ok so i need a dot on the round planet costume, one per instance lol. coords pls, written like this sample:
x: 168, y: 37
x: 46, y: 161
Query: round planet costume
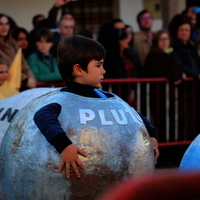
x: 10, y: 106
x: 108, y: 129
x: 191, y: 159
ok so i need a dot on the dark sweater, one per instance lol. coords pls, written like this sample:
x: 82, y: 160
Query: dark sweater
x: 46, y: 118
x: 160, y: 64
x: 188, y: 57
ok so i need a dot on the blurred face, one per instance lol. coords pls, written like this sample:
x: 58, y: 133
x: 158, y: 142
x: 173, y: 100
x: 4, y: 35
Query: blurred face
x: 190, y: 12
x: 183, y: 33
x: 119, y: 25
x: 4, y: 26
x: 146, y: 21
x: 69, y: 17
x: 129, y: 33
x: 164, y: 41
x: 22, y: 40
x: 37, y: 21
x: 66, y: 27
x: 44, y: 46
x: 193, y: 20
x: 3, y: 73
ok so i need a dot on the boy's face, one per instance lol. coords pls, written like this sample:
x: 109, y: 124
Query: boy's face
x: 94, y: 75
x: 3, y: 73
x: 44, y: 46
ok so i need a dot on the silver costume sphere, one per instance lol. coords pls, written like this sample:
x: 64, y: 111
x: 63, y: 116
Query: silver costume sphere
x: 108, y: 129
x: 10, y: 106
x: 191, y: 159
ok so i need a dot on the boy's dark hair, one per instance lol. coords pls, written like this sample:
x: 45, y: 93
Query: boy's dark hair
x: 45, y: 33
x: 142, y: 13
x: 80, y: 50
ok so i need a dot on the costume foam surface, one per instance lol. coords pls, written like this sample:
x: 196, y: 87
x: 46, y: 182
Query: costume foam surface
x: 191, y: 159
x: 108, y: 129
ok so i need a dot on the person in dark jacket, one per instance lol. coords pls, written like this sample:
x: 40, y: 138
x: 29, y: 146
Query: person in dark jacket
x: 121, y: 59
x: 162, y: 62
x: 189, y: 59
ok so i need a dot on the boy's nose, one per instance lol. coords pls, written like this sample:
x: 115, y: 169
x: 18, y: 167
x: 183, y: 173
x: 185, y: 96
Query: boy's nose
x: 104, y: 71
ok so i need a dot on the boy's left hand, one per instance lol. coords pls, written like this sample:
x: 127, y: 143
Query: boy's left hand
x: 70, y: 159
x: 154, y: 144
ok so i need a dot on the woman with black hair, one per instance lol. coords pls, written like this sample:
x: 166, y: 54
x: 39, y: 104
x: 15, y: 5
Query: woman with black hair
x: 189, y: 59
x: 21, y: 36
x: 8, y: 51
x: 121, y: 59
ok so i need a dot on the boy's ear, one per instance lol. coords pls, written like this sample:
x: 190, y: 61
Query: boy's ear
x: 77, y: 71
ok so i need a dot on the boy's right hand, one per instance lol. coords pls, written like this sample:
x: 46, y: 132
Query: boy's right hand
x: 69, y: 157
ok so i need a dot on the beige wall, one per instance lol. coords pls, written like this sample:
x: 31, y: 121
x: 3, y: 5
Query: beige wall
x: 129, y: 10
x: 22, y: 11
x: 172, y: 8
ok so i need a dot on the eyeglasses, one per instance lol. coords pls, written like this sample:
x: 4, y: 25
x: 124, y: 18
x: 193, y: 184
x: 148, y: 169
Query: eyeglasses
x: 164, y: 39
x: 146, y: 18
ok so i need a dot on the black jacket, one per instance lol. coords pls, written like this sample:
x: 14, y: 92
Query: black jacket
x: 188, y: 57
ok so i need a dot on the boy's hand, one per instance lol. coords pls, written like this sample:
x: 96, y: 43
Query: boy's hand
x: 154, y: 144
x: 70, y: 158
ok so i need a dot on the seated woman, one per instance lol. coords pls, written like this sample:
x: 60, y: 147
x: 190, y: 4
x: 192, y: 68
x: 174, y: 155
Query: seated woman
x: 42, y: 62
x: 161, y: 60
x: 184, y: 48
x: 21, y: 36
x: 9, y: 49
x: 188, y: 56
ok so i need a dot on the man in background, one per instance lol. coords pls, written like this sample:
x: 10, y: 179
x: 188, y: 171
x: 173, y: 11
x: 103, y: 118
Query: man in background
x: 143, y: 38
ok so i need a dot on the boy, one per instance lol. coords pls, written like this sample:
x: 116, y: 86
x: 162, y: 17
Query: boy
x: 42, y: 63
x: 80, y: 62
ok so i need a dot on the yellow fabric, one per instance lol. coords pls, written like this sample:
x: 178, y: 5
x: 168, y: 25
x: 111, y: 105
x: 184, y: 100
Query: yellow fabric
x: 12, y: 85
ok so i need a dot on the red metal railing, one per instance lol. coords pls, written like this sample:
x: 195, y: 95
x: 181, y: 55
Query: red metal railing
x: 172, y: 109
